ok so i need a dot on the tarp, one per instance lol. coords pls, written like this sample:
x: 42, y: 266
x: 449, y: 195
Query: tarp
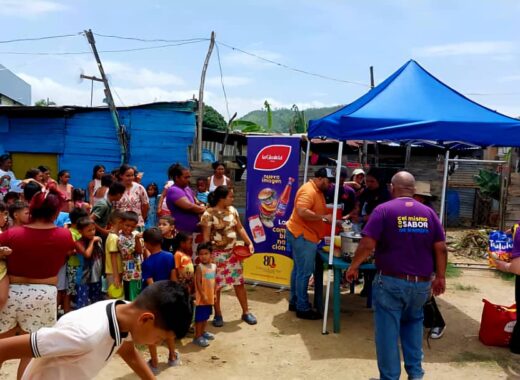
x: 412, y: 104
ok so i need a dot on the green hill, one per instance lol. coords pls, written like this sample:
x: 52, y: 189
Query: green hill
x: 282, y: 117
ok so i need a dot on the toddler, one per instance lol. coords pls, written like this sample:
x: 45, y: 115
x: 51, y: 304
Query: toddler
x: 156, y: 267
x: 153, y: 191
x: 167, y: 227
x: 89, y: 280
x: 204, y: 294
x: 78, y: 199
x: 129, y: 246
x: 202, y: 190
x: 112, y: 256
x: 184, y: 270
x: 75, y: 261
x: 19, y: 213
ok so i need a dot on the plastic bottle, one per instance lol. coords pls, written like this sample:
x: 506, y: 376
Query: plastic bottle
x: 284, y: 199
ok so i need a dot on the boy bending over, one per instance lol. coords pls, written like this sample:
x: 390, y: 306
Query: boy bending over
x: 83, y: 341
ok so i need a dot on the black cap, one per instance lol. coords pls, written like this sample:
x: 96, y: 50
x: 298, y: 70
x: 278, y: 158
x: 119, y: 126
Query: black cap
x: 326, y: 173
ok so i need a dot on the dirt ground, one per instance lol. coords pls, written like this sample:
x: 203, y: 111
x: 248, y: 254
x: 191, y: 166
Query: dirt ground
x: 282, y: 346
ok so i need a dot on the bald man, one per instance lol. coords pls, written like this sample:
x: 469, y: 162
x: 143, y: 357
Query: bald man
x: 409, y: 243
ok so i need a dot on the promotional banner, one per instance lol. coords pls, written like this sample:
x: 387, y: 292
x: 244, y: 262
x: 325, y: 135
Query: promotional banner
x: 272, y: 182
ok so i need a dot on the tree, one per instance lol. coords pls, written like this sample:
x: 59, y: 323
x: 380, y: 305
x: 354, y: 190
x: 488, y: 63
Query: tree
x: 297, y: 123
x: 247, y: 126
x: 44, y: 103
x: 269, y: 116
x: 213, y: 119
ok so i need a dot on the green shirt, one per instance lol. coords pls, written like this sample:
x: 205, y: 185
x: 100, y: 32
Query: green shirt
x: 102, y: 210
x: 74, y: 260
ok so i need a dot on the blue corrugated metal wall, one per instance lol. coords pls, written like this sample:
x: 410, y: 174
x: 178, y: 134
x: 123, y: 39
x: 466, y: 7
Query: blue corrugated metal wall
x: 90, y: 140
x: 159, y: 136
x: 158, y: 139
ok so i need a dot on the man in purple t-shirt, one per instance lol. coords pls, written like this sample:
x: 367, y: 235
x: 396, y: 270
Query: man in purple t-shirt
x: 408, y: 239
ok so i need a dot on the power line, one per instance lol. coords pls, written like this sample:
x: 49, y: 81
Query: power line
x: 293, y: 68
x: 222, y: 82
x: 40, y: 38
x: 150, y: 40
x: 101, y: 51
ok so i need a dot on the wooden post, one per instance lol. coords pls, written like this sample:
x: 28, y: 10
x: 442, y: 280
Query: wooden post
x: 365, y: 144
x: 201, y: 98
x: 408, y: 155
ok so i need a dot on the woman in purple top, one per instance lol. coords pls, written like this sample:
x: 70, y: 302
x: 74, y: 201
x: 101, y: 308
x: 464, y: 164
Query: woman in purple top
x: 181, y: 201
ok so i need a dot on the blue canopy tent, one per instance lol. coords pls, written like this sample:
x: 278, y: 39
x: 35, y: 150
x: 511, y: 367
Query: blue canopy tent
x: 412, y: 104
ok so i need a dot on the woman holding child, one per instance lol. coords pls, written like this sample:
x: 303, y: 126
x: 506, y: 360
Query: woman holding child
x: 39, y: 250
x: 181, y: 201
x: 221, y: 227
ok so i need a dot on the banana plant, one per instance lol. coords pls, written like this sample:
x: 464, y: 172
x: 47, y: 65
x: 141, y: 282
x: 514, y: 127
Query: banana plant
x: 269, y: 116
x: 489, y: 183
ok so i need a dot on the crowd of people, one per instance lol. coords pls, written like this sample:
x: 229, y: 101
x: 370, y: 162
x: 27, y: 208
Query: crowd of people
x: 148, y: 263
x: 61, y: 251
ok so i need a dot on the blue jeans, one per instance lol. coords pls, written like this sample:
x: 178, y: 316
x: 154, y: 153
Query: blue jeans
x: 398, y: 313
x: 304, y: 257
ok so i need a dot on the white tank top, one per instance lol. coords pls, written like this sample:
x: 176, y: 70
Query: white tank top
x: 212, y: 185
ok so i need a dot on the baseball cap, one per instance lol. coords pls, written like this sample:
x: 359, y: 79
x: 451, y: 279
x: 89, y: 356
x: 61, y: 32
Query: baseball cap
x: 326, y: 173
x: 358, y: 171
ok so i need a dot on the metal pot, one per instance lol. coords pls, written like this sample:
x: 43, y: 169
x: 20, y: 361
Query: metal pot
x: 349, y: 242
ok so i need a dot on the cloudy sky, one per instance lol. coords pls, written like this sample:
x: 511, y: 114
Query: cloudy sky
x: 472, y: 46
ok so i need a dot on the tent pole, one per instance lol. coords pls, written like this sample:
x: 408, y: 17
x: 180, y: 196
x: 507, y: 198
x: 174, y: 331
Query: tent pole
x: 332, y: 235
x: 444, y: 187
x: 307, y: 152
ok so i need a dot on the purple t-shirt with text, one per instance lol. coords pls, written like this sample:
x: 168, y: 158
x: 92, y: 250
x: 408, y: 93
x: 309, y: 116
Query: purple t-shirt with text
x: 185, y: 221
x: 516, y: 245
x: 405, y: 231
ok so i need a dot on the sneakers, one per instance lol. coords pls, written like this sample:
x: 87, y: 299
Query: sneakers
x: 249, y: 319
x: 201, y: 341
x: 154, y: 370
x: 218, y: 321
x: 208, y: 335
x: 175, y: 362
x: 310, y: 314
x: 437, y: 332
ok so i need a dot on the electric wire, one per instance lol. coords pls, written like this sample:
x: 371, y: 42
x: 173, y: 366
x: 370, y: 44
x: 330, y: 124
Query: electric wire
x: 151, y: 40
x: 39, y: 38
x: 292, y: 68
x: 100, y: 51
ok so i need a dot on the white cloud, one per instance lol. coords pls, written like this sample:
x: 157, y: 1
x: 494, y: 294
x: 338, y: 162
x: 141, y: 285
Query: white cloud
x: 241, y: 59
x: 140, y: 77
x: 229, y: 81
x: 28, y: 8
x: 62, y: 94
x: 467, y: 48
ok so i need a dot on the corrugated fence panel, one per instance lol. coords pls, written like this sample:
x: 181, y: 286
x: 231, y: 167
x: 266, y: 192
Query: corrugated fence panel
x: 467, y: 203
x: 90, y: 140
x: 34, y: 135
x: 159, y: 138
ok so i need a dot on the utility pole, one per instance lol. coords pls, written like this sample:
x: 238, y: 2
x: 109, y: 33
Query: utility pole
x: 120, y: 128
x: 92, y: 79
x: 201, y: 98
x: 365, y: 145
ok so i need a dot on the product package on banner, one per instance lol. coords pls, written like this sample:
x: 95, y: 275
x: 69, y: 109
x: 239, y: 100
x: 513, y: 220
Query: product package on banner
x: 272, y: 182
